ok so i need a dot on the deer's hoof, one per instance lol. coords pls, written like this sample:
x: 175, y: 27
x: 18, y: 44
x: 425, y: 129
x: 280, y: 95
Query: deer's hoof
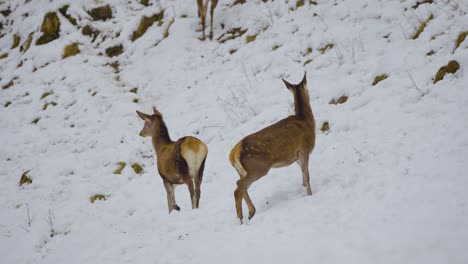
x: 176, y: 207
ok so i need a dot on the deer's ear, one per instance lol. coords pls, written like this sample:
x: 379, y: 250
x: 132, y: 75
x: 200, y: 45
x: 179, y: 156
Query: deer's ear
x: 156, y: 112
x: 304, y: 79
x: 143, y: 116
x: 288, y: 85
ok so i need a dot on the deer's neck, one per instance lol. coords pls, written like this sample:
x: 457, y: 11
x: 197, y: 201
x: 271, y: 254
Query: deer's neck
x: 161, y: 137
x: 302, y: 106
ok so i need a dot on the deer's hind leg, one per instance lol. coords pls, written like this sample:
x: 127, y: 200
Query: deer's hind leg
x: 212, y: 8
x: 242, y: 192
x: 198, y: 181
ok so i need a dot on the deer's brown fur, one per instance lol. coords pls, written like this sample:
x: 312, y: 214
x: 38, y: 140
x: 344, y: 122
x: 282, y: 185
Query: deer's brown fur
x: 179, y: 162
x: 289, y: 140
x: 202, y: 9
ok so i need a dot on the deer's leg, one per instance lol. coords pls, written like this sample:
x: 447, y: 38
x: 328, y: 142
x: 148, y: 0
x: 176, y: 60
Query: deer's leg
x: 213, y: 6
x: 242, y: 185
x: 171, y: 203
x: 304, y: 163
x: 189, y: 183
x: 238, y: 198
x: 198, y: 181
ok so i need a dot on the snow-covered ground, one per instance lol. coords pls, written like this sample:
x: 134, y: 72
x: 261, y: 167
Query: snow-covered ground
x: 389, y: 178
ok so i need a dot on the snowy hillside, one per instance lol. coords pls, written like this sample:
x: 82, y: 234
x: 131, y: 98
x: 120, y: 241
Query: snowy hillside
x: 389, y: 172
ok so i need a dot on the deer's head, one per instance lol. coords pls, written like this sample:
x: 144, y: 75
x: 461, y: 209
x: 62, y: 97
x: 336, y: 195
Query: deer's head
x: 152, y: 123
x: 300, y: 88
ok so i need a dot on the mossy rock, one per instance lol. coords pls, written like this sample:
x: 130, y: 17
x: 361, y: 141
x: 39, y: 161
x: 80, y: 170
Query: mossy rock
x: 325, y: 127
x: 28, y: 42
x: 430, y: 53
x: 308, y: 51
x: 421, y: 27
x: 7, y: 104
x: 90, y: 32
x: 4, y: 55
x: 101, y: 13
x: 135, y: 100
x: 307, y: 62
x: 70, y: 50
x: 461, y: 37
x: 145, y: 23
x: 25, y: 179
x: 238, y: 2
x: 121, y: 165
x: 379, y: 78
x: 144, y: 2
x: 275, y: 47
x: 300, y: 3
x: 340, y: 100
x: 45, y: 94
x: 50, y: 28
x: 166, y: 32
x: 8, y: 85
x: 96, y: 197
x: 326, y: 47
x: 137, y: 168
x: 47, y: 105
x: 452, y: 67
x: 250, y: 38
x: 114, y: 51
x: 16, y: 41
x: 5, y: 12
x: 35, y: 120
x: 312, y: 2
x: 63, y: 10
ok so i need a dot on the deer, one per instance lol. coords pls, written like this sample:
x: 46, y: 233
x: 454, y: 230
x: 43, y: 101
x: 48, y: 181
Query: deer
x: 179, y: 162
x: 289, y: 140
x: 202, y: 9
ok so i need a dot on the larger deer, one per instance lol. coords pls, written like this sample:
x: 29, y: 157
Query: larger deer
x: 179, y: 162
x: 202, y: 9
x: 289, y: 140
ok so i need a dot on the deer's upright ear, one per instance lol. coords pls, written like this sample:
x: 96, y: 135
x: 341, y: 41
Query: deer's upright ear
x: 288, y: 85
x: 156, y: 112
x: 304, y: 79
x: 143, y: 116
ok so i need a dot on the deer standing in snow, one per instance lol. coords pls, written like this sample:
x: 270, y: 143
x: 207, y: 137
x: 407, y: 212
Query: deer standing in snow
x: 288, y: 140
x: 202, y: 9
x: 179, y: 162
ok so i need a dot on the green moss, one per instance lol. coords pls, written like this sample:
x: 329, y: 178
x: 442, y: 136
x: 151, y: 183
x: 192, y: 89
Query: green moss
x: 300, y: 3
x: 144, y: 2
x: 183, y: 16
x: 238, y: 2
x: 325, y: 48
x: 460, y: 39
x: 16, y: 41
x: 451, y: 67
x: 45, y: 94
x: 250, y: 38
x: 96, y: 197
x: 28, y: 42
x: 340, y: 100
x: 430, y: 53
x: 312, y: 2
x: 137, y: 168
x: 308, y: 51
x: 47, y: 105
x: 63, y: 11
x: 7, y: 104
x: 121, y: 165
x: 50, y: 28
x: 101, y: 13
x: 325, y: 127
x: 145, y: 23
x: 379, y: 78
x: 114, y: 51
x: 70, y: 50
x: 90, y: 32
x: 25, y: 179
x: 307, y: 62
x: 421, y: 27
x: 4, y: 55
x: 135, y: 100
x: 8, y: 85
x: 275, y: 47
x: 166, y: 32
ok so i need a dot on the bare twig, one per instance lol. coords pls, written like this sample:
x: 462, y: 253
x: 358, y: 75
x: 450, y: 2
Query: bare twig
x: 414, y: 84
x: 28, y: 220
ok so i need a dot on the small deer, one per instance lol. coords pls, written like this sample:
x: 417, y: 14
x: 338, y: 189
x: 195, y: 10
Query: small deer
x: 202, y: 9
x: 288, y: 140
x: 179, y: 162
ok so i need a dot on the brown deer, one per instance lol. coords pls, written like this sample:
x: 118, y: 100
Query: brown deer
x: 288, y: 140
x: 179, y: 162
x: 202, y: 9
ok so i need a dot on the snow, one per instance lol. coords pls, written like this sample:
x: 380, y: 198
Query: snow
x: 388, y: 180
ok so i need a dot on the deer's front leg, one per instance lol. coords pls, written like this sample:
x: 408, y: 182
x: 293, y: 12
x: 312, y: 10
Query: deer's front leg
x: 171, y: 203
